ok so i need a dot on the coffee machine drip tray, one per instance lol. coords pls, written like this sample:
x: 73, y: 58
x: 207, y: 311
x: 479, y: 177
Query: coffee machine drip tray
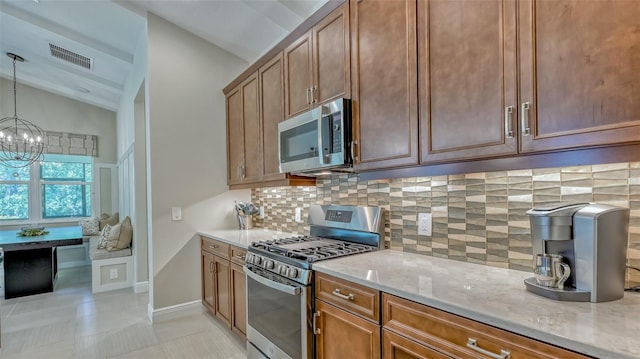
x: 565, y: 295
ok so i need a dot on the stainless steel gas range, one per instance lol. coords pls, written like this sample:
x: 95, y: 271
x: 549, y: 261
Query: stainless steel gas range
x: 280, y: 277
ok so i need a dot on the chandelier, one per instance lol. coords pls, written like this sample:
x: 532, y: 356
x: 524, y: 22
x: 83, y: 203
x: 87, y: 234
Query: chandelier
x: 21, y: 142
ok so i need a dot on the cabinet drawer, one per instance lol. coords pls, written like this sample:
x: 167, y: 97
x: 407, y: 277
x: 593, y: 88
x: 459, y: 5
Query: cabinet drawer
x: 349, y: 296
x: 451, y: 334
x: 395, y: 346
x: 238, y: 255
x: 215, y: 247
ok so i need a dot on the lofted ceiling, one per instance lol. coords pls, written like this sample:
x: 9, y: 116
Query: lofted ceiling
x: 105, y: 34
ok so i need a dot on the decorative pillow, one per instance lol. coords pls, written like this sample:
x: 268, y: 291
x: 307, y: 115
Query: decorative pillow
x: 125, y: 235
x: 104, y: 237
x: 113, y: 236
x: 90, y: 227
x: 110, y: 220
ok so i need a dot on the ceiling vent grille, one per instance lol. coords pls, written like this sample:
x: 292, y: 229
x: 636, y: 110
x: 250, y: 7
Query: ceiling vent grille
x: 70, y: 56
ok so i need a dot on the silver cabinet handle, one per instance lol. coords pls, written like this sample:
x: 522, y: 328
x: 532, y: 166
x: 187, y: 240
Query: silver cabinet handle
x: 240, y: 256
x: 210, y: 267
x: 239, y: 171
x: 315, y: 329
x: 242, y: 171
x: 354, y: 143
x: 507, y: 121
x: 213, y: 246
x: 314, y: 94
x: 337, y: 293
x: 473, y: 345
x: 308, y: 95
x: 526, y: 131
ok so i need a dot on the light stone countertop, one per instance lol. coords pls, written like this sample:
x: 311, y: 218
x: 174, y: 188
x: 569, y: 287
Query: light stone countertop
x: 498, y: 297
x: 243, y: 238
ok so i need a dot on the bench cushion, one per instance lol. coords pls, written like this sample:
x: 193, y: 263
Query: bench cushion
x: 96, y: 254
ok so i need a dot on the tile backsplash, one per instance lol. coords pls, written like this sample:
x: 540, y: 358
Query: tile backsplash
x: 477, y: 217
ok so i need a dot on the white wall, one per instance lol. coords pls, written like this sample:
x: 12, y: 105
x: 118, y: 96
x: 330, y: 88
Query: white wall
x: 186, y: 155
x: 57, y: 113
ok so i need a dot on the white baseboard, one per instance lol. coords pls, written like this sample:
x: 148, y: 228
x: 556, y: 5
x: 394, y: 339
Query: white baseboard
x: 141, y: 287
x: 181, y: 309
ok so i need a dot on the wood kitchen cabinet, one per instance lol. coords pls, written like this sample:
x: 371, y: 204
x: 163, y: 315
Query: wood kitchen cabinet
x: 414, y: 330
x: 244, y: 135
x: 224, y: 283
x: 254, y: 109
x: 347, y: 319
x: 579, y: 73
x: 384, y: 83
x: 317, y: 65
x: 467, y: 79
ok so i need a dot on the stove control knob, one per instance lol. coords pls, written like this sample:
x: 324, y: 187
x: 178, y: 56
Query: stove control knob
x: 257, y: 260
x: 268, y: 264
x: 249, y: 258
x: 282, y: 269
x: 292, y: 273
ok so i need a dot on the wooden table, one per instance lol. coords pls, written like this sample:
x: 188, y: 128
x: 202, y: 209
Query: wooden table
x: 30, y: 263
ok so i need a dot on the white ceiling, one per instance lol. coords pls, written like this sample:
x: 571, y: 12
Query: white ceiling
x: 108, y: 32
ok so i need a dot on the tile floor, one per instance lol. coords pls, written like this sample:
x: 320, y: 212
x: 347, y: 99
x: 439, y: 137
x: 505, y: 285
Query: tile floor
x: 72, y: 322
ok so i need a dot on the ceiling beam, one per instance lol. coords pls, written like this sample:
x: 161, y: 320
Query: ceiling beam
x: 69, y: 34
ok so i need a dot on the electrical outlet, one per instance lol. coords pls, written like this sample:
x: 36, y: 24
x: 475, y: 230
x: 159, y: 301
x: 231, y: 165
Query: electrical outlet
x: 113, y: 273
x: 424, y: 224
x: 298, y: 214
x: 262, y: 212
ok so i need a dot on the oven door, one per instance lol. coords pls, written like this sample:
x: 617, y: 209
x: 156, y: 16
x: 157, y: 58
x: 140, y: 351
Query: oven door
x: 277, y: 311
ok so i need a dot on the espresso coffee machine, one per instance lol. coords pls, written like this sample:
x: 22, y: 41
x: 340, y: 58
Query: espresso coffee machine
x: 580, y: 251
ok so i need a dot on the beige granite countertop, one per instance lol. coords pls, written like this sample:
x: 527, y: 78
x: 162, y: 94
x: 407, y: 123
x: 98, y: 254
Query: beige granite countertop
x: 498, y: 297
x: 243, y: 238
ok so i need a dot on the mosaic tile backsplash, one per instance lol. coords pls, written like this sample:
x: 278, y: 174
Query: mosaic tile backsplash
x: 477, y: 217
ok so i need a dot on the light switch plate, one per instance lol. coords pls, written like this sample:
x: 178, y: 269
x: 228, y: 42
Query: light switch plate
x: 262, y: 212
x: 425, y: 224
x: 176, y: 213
x: 298, y: 214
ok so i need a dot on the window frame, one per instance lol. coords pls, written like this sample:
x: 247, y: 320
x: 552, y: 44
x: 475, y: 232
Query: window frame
x: 36, y: 191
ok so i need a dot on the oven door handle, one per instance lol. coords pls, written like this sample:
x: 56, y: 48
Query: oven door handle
x: 271, y: 284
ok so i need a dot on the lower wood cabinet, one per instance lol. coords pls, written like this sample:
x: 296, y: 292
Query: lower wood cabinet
x: 346, y: 320
x: 395, y: 346
x: 239, y: 300
x: 425, y: 328
x: 224, y: 283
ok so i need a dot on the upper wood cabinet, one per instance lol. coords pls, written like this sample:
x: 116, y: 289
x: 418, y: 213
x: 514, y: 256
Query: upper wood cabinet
x: 384, y: 83
x: 579, y: 73
x: 467, y: 69
x: 317, y: 65
x: 270, y: 79
x: 244, y: 135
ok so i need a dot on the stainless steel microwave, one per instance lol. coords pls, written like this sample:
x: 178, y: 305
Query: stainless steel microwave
x: 318, y: 140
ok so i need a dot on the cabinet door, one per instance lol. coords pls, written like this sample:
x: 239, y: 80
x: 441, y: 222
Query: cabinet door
x: 344, y: 335
x: 208, y: 298
x: 222, y: 289
x: 271, y: 78
x: 252, y: 171
x: 235, y: 136
x: 331, y: 57
x: 580, y: 70
x: 395, y: 346
x: 298, y: 76
x: 239, y: 295
x: 384, y: 83
x: 467, y: 69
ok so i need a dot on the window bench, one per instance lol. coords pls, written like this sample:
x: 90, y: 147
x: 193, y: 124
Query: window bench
x: 109, y: 270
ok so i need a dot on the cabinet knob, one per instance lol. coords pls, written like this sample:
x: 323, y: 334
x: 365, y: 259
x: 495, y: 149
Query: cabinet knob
x: 507, y: 121
x: 526, y: 131
x: 349, y: 296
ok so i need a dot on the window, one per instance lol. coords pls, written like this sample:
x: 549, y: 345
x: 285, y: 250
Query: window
x: 55, y: 188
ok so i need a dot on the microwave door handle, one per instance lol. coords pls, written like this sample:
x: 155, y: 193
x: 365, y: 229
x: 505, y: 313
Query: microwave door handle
x: 324, y: 138
x: 271, y: 284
